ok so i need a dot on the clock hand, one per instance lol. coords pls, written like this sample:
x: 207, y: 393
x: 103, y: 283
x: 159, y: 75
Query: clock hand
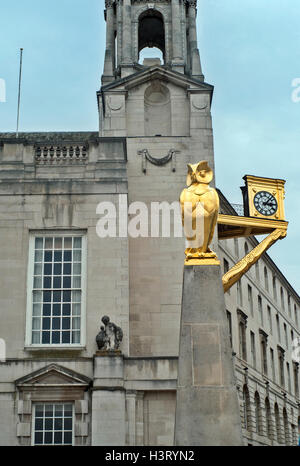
x: 268, y: 202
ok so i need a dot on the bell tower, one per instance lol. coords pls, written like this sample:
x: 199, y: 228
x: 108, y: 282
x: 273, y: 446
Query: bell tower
x: 132, y: 25
x: 161, y: 110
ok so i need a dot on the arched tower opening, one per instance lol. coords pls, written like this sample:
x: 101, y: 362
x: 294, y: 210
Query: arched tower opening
x: 151, y: 56
x: 151, y: 32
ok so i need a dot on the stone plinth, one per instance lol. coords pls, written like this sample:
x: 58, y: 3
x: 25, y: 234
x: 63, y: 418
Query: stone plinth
x: 108, y: 400
x: 207, y: 410
x: 108, y: 353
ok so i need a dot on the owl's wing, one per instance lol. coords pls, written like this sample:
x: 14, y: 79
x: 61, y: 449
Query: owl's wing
x: 213, y: 225
x: 183, y: 199
x: 214, y: 217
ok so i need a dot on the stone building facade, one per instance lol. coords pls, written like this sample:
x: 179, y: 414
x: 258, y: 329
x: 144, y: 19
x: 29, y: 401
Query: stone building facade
x: 263, y: 321
x: 58, y: 277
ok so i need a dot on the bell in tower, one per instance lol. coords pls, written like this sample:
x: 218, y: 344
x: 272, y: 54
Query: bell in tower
x: 132, y: 25
x: 156, y: 97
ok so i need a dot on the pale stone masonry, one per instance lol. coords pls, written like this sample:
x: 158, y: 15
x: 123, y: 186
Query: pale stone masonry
x: 153, y: 121
x: 262, y: 380
x: 207, y: 406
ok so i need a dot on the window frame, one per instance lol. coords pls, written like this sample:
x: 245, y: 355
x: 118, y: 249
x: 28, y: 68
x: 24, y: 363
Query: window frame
x: 250, y: 300
x: 269, y: 312
x: 281, y: 366
x: 30, y: 275
x: 272, y: 360
x: 260, y: 309
x: 253, y: 348
x: 229, y: 323
x: 33, y: 415
x: 264, y: 352
x: 242, y: 326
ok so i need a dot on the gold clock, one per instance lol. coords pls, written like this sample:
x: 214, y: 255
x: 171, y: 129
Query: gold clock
x: 263, y: 197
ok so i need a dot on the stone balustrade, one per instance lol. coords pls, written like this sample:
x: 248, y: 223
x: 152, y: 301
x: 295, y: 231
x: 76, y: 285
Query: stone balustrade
x: 61, y: 154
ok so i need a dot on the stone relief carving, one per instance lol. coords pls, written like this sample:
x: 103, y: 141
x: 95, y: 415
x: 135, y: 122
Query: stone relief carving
x: 110, y: 336
x: 114, y: 103
x: 199, y: 102
x: 171, y: 156
x: 157, y: 94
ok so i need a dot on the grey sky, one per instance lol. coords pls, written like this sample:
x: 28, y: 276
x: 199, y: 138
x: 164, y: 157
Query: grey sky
x: 250, y: 52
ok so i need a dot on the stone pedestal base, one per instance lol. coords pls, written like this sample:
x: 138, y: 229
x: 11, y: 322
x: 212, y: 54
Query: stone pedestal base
x: 108, y: 353
x: 108, y: 400
x: 207, y: 409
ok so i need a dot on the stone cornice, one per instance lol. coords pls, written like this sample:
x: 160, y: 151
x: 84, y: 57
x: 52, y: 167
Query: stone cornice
x: 159, y: 72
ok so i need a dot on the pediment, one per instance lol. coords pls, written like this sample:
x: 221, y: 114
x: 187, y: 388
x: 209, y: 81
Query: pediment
x: 53, y: 375
x: 160, y: 73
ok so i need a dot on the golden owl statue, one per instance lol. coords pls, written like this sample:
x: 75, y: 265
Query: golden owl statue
x: 199, y: 208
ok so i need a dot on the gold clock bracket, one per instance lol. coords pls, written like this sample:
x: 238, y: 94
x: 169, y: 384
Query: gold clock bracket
x: 230, y: 226
x: 234, y: 226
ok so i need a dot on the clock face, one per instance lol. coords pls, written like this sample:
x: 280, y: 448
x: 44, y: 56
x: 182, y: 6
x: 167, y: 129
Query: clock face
x: 265, y: 203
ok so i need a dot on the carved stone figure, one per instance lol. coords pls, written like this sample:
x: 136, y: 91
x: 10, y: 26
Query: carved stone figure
x: 199, y: 207
x: 110, y: 336
x: 102, y: 339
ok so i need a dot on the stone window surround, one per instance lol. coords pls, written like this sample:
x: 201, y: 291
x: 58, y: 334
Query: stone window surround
x: 250, y: 299
x: 281, y: 356
x: 229, y: 321
x: 266, y: 278
x: 270, y: 319
x: 288, y: 372
x: 278, y: 430
x: 253, y: 348
x: 258, y: 414
x: 273, y: 364
x: 296, y: 378
x: 263, y: 345
x: 274, y: 396
x: 269, y: 424
x: 247, y: 408
x: 32, y: 390
x: 242, y: 323
x: 28, y: 333
x: 239, y: 292
x: 278, y: 327
x: 260, y: 309
x: 54, y: 418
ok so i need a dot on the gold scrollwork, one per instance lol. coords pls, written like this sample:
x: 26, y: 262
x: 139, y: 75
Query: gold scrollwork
x: 238, y: 270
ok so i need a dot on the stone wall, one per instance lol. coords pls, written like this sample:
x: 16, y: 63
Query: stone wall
x: 60, y: 196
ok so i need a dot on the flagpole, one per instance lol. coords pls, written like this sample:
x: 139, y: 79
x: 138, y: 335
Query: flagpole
x: 19, y: 94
